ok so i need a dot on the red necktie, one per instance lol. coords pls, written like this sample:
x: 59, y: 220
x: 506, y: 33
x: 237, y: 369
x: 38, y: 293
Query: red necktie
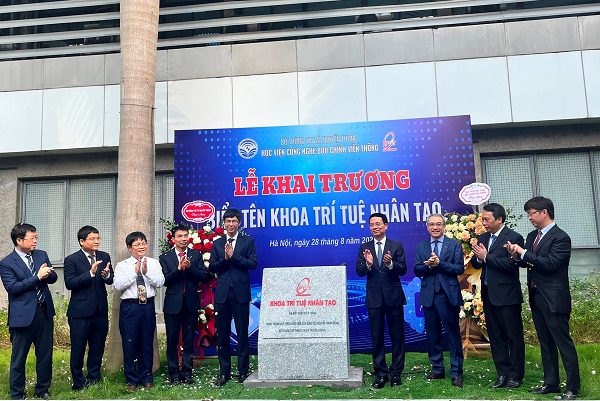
x: 537, y: 240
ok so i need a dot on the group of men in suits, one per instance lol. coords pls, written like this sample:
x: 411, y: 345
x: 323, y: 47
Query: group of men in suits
x: 499, y: 252
x: 26, y: 273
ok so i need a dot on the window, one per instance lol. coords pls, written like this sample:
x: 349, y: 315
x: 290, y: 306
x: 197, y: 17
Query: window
x: 59, y: 208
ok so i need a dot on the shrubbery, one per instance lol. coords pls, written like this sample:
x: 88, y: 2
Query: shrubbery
x: 585, y: 314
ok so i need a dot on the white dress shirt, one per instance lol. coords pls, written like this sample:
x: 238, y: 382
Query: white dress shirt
x: 125, y: 278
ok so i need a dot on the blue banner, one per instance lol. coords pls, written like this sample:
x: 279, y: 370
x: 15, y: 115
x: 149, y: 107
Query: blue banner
x: 306, y: 193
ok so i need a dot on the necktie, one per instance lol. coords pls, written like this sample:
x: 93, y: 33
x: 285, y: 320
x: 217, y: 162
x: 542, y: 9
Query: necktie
x: 436, y: 249
x: 230, y: 240
x: 492, y: 242
x: 379, y: 253
x: 38, y: 291
x: 537, y: 240
x: 92, y: 259
x: 485, y: 272
x: 142, y: 297
x: 181, y: 256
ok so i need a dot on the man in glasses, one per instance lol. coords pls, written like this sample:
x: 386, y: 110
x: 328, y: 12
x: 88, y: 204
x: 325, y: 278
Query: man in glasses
x: 546, y: 256
x: 26, y: 273
x: 87, y: 273
x: 138, y: 278
x: 231, y: 258
x: 438, y: 260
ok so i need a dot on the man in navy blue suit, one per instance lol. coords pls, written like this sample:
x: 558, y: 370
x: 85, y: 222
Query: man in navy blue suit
x: 231, y: 258
x: 546, y: 256
x: 26, y: 273
x: 183, y: 269
x: 382, y: 261
x: 87, y: 273
x: 438, y: 261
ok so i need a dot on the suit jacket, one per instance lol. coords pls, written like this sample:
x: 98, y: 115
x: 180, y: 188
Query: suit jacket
x: 175, y: 280
x: 383, y: 284
x: 548, y: 267
x: 451, y: 265
x: 233, y: 272
x: 502, y: 271
x: 88, y: 293
x: 21, y: 285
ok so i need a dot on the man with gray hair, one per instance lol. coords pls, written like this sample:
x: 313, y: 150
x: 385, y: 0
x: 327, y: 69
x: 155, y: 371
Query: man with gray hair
x: 438, y: 262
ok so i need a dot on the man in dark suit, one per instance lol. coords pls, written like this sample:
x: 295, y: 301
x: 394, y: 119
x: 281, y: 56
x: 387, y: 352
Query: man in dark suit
x: 26, y: 273
x: 183, y: 269
x: 87, y: 273
x: 382, y: 261
x: 438, y: 261
x: 501, y: 295
x: 546, y: 256
x: 231, y: 257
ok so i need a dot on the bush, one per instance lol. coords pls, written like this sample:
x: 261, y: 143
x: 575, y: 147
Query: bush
x: 585, y: 312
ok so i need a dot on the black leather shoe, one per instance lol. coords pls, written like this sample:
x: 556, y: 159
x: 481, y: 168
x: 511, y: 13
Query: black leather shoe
x: 44, y: 395
x: 501, y: 382
x: 174, y: 381
x: 187, y: 380
x: 18, y: 397
x: 242, y: 378
x: 76, y: 388
x: 457, y: 381
x: 434, y: 375
x: 380, y: 381
x: 545, y: 389
x: 221, y: 381
x: 567, y: 395
x: 513, y: 383
x: 396, y: 381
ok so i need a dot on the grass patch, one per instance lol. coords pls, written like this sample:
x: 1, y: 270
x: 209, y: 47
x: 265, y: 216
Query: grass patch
x: 479, y: 373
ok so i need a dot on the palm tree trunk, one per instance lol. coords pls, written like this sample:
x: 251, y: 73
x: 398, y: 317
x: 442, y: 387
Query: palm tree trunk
x: 135, y: 186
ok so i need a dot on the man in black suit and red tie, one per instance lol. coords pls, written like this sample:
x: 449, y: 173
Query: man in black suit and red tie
x: 26, y: 273
x: 501, y: 295
x: 546, y: 256
x: 87, y: 273
x: 382, y: 261
x: 183, y: 269
x: 231, y: 258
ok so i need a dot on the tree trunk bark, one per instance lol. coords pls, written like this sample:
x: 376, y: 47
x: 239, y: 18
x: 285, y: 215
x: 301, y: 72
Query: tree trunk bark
x: 135, y: 185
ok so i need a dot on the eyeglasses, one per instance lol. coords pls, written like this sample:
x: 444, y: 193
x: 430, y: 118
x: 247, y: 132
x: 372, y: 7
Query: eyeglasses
x: 139, y: 245
x: 438, y: 224
x: 34, y: 238
x: 93, y: 239
x: 232, y: 221
x: 529, y: 214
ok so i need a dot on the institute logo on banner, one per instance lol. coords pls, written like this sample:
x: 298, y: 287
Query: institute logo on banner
x: 198, y: 211
x: 389, y: 141
x: 303, y: 287
x: 247, y: 148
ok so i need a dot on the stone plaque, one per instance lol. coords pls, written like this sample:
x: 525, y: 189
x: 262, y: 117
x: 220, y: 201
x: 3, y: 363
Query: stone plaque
x: 304, y: 324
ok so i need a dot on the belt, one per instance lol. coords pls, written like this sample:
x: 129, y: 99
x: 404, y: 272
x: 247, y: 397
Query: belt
x: 137, y: 301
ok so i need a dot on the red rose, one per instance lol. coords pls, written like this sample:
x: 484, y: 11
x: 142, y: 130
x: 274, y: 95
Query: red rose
x: 169, y: 235
x: 197, y: 247
x: 212, y: 236
x: 219, y: 231
x: 207, y: 247
x: 172, y: 242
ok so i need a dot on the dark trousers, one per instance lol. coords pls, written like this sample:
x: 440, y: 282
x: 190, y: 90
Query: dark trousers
x: 137, y: 324
x: 553, y: 333
x: 443, y: 314
x: 240, y: 312
x: 505, y: 329
x: 40, y: 333
x: 395, y: 323
x: 87, y: 332
x: 182, y: 323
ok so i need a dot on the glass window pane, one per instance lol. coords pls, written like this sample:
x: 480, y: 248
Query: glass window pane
x: 45, y: 209
x: 92, y: 202
x: 509, y: 189
x: 163, y: 203
x: 566, y: 179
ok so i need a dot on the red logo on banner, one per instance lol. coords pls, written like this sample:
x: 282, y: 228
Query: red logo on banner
x: 389, y: 142
x: 303, y: 287
x: 198, y: 211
